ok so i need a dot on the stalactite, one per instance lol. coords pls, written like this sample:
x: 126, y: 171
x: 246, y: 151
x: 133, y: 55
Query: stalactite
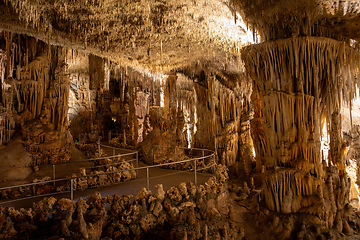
x: 2, y: 72
x: 8, y: 65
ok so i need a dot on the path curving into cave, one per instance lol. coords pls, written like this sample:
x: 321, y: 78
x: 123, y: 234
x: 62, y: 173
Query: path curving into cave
x: 158, y: 175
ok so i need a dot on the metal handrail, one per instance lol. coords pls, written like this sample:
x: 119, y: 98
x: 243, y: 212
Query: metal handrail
x: 120, y: 134
x: 200, y: 149
x: 95, y: 159
x: 119, y: 171
x: 136, y: 153
x: 112, y: 147
x: 112, y: 164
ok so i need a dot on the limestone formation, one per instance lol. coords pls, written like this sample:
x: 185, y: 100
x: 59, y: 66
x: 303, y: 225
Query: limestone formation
x: 171, y: 78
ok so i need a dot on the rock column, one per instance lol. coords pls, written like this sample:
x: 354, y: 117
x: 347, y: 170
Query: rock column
x: 299, y: 81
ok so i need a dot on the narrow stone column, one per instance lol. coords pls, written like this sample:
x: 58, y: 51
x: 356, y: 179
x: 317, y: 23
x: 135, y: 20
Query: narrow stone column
x: 336, y: 143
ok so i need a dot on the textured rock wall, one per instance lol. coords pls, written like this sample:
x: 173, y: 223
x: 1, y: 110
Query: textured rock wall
x: 223, y: 111
x: 35, y: 86
x: 204, y: 106
x: 7, y: 121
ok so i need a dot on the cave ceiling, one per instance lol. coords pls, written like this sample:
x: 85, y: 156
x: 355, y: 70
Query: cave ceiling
x: 158, y: 35
x: 275, y: 19
x: 162, y: 35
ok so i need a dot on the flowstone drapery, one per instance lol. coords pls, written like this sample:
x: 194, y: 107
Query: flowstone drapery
x: 34, y: 97
x: 298, y: 83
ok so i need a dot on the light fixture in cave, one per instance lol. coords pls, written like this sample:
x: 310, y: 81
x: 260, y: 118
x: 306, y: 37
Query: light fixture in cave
x: 352, y: 170
x: 162, y: 79
x: 353, y: 43
x: 188, y: 125
x: 195, y: 119
x: 325, y: 140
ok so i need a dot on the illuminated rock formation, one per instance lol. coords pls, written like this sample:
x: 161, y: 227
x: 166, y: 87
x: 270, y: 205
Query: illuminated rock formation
x: 299, y: 82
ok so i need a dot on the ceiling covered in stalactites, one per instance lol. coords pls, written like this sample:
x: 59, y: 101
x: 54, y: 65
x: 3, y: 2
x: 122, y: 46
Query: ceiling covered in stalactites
x: 161, y: 35
x: 274, y: 19
x: 152, y: 34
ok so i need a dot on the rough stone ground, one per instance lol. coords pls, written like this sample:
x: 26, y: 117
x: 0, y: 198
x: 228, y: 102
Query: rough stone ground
x: 14, y: 161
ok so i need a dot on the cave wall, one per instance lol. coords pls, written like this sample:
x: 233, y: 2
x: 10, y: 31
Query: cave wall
x: 224, y: 111
x: 34, y: 99
x: 205, y: 106
x: 221, y: 113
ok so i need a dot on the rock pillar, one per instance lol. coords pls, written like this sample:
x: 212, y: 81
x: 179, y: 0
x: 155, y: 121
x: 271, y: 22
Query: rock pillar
x: 298, y: 81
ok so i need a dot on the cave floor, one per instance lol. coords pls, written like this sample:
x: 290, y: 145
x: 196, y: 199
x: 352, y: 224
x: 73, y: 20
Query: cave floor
x: 166, y: 177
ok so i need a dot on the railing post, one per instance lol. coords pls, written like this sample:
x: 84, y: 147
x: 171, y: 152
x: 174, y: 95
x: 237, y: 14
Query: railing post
x: 99, y: 146
x: 148, y: 178
x: 176, y: 166
x: 195, y: 172
x: 175, y: 155
x: 152, y: 154
x: 114, y: 151
x: 214, y: 162
x: 137, y: 164
x: 124, y: 138
x: 54, y: 176
x: 203, y: 153
x: 72, y: 189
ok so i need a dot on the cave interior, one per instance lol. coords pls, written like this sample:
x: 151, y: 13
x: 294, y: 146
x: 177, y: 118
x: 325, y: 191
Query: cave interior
x: 270, y: 88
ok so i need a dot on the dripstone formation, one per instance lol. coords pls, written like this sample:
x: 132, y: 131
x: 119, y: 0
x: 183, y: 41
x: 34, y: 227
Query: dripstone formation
x: 261, y: 84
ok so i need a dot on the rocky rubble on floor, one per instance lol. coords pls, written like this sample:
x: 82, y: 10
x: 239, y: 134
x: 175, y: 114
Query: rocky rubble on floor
x: 91, y: 150
x: 46, y: 145
x: 125, y: 218
x: 216, y: 210
x: 105, y: 176
x: 120, y: 143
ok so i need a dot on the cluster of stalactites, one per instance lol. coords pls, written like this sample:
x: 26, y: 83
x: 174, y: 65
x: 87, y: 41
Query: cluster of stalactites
x: 32, y: 15
x: 300, y: 81
x: 292, y: 128
x: 38, y: 94
x: 320, y: 67
x: 31, y: 89
x: 7, y: 126
x: 281, y: 19
x: 137, y: 92
x: 226, y: 107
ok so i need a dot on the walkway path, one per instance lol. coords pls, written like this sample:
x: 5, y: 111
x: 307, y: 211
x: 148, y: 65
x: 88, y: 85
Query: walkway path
x: 167, y: 177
